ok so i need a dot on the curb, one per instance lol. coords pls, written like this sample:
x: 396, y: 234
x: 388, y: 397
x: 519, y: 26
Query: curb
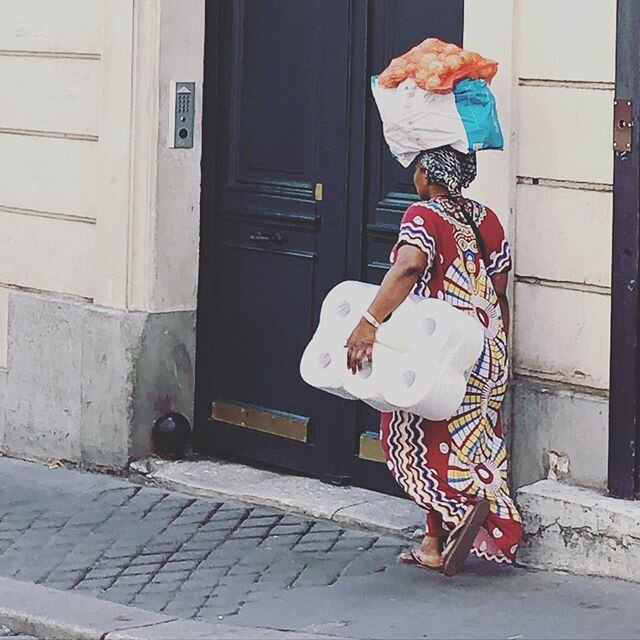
x: 39, y: 611
x: 346, y: 506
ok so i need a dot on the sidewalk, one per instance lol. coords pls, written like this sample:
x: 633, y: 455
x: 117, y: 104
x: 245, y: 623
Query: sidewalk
x: 5, y: 632
x: 346, y: 506
x: 48, y: 613
x: 258, y: 571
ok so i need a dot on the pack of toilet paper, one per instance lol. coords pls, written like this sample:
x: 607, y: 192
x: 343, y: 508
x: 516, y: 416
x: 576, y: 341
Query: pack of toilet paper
x: 422, y: 358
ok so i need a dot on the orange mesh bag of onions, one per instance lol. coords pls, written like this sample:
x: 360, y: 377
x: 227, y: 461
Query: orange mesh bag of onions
x: 436, y: 66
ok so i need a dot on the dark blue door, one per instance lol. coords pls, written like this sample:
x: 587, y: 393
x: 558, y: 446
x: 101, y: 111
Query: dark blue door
x: 299, y: 193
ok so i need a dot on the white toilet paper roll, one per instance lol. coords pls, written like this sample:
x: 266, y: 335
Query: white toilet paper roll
x: 396, y: 331
x: 446, y: 335
x: 369, y: 384
x: 469, y: 351
x: 324, y: 366
x: 344, y: 305
x: 425, y: 388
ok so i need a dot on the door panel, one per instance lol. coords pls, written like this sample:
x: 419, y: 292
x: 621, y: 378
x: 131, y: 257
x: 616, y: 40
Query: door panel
x: 258, y: 331
x: 282, y: 134
x: 271, y: 144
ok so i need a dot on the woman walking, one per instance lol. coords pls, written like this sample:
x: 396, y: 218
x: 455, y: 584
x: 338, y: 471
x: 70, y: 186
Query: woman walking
x: 454, y: 249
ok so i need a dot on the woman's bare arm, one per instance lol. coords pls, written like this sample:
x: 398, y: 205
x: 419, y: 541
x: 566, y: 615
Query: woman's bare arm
x: 500, y: 284
x: 396, y: 286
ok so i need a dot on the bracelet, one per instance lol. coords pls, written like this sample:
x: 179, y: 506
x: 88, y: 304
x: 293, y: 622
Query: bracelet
x: 371, y: 320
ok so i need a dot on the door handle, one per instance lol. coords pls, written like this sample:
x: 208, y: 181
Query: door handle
x: 259, y: 236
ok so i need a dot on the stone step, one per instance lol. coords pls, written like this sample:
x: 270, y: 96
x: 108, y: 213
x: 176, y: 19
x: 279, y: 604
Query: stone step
x: 580, y: 531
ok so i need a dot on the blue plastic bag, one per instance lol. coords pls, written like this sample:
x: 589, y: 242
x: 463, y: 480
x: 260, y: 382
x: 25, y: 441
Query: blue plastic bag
x: 476, y: 105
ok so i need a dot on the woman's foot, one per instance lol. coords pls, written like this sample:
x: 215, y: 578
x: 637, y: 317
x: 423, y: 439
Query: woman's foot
x: 426, y: 555
x: 460, y: 543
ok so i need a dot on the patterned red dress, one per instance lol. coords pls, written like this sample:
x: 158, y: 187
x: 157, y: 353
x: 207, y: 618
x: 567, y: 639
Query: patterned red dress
x: 446, y: 466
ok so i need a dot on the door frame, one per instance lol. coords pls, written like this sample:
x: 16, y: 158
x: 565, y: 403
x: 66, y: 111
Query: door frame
x: 211, y: 113
x: 624, y: 407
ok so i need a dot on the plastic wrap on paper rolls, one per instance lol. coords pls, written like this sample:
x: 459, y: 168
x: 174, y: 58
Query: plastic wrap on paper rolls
x: 443, y: 333
x: 417, y: 386
x: 324, y: 365
x: 369, y: 384
x: 421, y: 367
x: 345, y: 304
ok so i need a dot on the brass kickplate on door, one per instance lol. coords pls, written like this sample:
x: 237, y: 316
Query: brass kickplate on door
x: 370, y: 448
x: 284, y: 425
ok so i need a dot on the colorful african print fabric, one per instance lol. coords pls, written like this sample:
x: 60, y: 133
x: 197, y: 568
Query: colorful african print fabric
x: 446, y: 466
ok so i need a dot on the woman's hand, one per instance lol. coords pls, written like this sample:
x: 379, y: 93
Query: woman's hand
x: 360, y: 346
x: 409, y: 266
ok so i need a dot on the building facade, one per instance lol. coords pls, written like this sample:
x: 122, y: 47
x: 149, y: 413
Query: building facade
x: 114, y: 241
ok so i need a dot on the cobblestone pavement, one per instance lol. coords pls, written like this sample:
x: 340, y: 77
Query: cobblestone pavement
x: 257, y: 567
x: 166, y: 552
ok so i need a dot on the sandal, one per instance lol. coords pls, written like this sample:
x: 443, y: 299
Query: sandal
x: 459, y: 545
x: 411, y: 558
